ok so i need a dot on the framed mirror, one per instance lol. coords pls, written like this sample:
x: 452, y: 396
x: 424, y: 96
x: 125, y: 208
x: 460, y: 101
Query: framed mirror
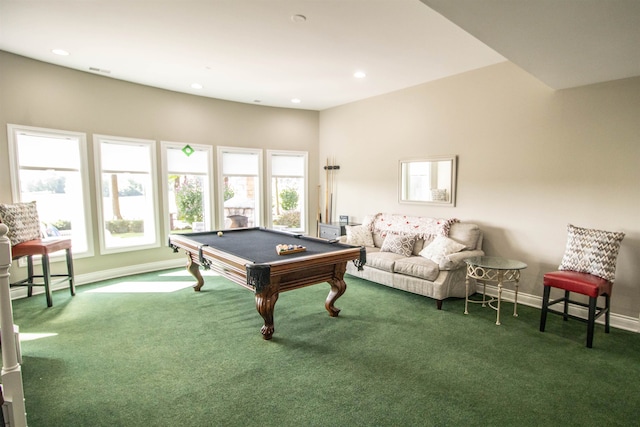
x: 430, y: 180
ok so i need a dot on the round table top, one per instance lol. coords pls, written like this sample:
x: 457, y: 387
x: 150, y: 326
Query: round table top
x: 496, y: 263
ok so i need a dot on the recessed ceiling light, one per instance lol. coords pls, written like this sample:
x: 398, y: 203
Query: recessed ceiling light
x: 359, y: 74
x: 296, y: 101
x: 60, y: 52
x: 196, y: 86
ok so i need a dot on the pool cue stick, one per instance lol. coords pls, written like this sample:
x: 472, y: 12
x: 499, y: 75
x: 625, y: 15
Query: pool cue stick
x: 333, y: 181
x: 331, y: 193
x: 326, y: 192
x: 333, y: 177
x: 319, y: 214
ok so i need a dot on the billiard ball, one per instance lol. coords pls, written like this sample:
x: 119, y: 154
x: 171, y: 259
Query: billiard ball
x: 219, y: 233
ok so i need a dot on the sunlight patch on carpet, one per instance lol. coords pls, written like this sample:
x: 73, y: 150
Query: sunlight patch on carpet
x: 185, y: 273
x: 143, y: 287
x: 30, y: 336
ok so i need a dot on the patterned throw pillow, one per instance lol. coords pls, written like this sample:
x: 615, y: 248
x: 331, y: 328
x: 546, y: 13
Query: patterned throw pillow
x: 440, y: 247
x: 401, y: 244
x: 359, y: 235
x: 592, y: 251
x: 22, y: 220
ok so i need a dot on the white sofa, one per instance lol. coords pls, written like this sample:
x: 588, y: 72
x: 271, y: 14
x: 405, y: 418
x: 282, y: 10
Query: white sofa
x: 421, y: 255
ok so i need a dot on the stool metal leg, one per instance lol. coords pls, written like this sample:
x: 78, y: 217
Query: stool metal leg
x: 72, y: 286
x: 545, y: 307
x: 46, y: 276
x: 607, y: 316
x: 29, y: 275
x: 591, y: 322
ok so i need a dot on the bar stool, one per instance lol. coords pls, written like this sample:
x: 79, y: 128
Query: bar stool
x: 44, y: 247
x: 26, y: 241
x: 587, y: 268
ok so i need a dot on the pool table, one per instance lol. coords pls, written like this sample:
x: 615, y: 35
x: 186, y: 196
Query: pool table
x: 248, y: 257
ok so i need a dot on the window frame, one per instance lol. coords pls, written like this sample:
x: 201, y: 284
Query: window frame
x: 13, y: 130
x: 153, y: 173
x: 304, y: 217
x: 165, y: 145
x: 259, y: 215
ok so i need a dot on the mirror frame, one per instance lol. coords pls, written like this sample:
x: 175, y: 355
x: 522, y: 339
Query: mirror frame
x: 450, y: 185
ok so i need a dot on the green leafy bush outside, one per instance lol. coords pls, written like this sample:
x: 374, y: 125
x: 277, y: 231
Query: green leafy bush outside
x: 62, y: 224
x: 289, y: 199
x: 122, y: 226
x: 229, y: 192
x: 189, y: 201
x: 289, y: 219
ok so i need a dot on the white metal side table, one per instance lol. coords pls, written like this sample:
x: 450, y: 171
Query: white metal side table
x: 497, y: 270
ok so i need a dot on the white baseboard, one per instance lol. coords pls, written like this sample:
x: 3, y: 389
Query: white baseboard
x: 617, y: 320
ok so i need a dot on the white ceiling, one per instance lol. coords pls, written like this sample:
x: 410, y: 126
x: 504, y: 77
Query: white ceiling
x: 564, y: 43
x: 254, y: 51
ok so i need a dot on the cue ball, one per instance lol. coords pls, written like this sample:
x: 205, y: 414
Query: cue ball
x: 219, y: 233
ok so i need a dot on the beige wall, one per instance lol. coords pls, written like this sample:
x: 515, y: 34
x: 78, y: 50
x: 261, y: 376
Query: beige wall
x: 530, y: 161
x: 33, y: 93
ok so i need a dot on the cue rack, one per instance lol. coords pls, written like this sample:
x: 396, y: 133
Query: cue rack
x: 328, y: 192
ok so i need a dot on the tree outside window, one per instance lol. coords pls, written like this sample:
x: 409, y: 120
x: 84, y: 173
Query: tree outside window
x: 128, y: 204
x: 187, y: 187
x: 288, y: 170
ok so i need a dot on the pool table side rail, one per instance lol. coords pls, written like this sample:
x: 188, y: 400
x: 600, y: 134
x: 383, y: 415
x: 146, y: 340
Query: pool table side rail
x: 300, y: 271
x: 227, y: 265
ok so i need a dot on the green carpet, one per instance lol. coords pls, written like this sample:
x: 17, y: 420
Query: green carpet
x: 390, y: 359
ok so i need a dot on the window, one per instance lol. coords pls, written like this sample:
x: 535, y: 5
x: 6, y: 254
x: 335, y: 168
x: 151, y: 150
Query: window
x: 188, y: 178
x: 239, y: 185
x: 50, y: 167
x: 288, y: 178
x: 126, y: 192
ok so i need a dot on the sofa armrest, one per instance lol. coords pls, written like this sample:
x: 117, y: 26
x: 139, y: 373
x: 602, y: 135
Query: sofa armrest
x: 455, y: 261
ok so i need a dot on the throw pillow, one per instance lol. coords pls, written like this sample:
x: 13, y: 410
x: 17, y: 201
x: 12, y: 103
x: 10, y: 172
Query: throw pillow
x: 359, y: 235
x: 401, y: 244
x: 592, y: 251
x: 440, y: 247
x: 22, y: 220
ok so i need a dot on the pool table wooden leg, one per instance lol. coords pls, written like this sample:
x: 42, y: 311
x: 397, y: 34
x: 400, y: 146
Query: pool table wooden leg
x: 338, y: 287
x: 194, y: 269
x: 265, y: 303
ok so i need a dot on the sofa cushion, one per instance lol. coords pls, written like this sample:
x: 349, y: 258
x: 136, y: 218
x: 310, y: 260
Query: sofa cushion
x: 417, y: 266
x: 382, y: 260
x: 465, y: 233
x: 420, y: 245
x: 378, y: 239
x: 22, y: 220
x: 359, y: 235
x: 441, y: 246
x: 401, y: 244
